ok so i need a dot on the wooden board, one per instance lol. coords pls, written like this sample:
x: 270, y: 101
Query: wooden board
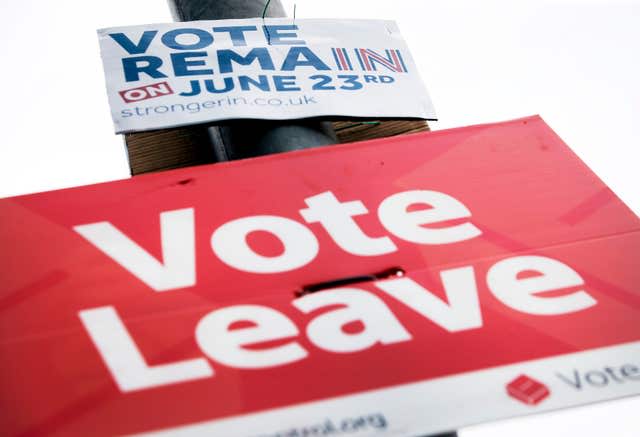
x: 184, y: 147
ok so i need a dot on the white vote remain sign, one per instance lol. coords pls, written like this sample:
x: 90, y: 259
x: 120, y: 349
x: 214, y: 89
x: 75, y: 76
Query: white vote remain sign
x: 168, y: 75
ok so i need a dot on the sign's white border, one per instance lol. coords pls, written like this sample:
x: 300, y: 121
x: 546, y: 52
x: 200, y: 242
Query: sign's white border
x: 447, y: 403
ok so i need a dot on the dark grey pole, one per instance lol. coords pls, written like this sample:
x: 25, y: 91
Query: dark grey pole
x: 245, y: 139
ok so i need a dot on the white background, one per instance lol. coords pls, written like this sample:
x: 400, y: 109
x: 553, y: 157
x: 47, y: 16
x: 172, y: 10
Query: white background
x: 576, y: 63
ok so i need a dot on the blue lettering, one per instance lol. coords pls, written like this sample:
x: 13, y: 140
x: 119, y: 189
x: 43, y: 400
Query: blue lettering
x: 149, y: 65
x: 262, y: 83
x: 181, y: 64
x: 276, y: 36
x: 131, y: 48
x: 226, y: 57
x: 293, y: 60
x: 285, y: 83
x: 211, y: 87
x: 169, y: 39
x: 195, y: 89
x: 236, y: 33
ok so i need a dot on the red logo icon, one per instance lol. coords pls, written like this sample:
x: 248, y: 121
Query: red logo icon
x: 527, y: 390
x: 146, y: 92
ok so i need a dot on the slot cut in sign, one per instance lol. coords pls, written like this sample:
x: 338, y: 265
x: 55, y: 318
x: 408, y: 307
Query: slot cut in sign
x: 169, y: 75
x: 187, y: 307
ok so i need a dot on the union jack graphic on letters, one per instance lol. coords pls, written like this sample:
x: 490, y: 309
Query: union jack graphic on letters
x: 369, y: 59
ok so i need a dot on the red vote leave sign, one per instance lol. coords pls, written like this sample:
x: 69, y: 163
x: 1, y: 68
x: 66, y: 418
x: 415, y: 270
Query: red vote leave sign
x: 400, y: 286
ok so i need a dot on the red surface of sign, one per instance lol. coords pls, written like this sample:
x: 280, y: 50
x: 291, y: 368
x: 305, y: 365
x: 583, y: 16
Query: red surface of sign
x: 512, y: 251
